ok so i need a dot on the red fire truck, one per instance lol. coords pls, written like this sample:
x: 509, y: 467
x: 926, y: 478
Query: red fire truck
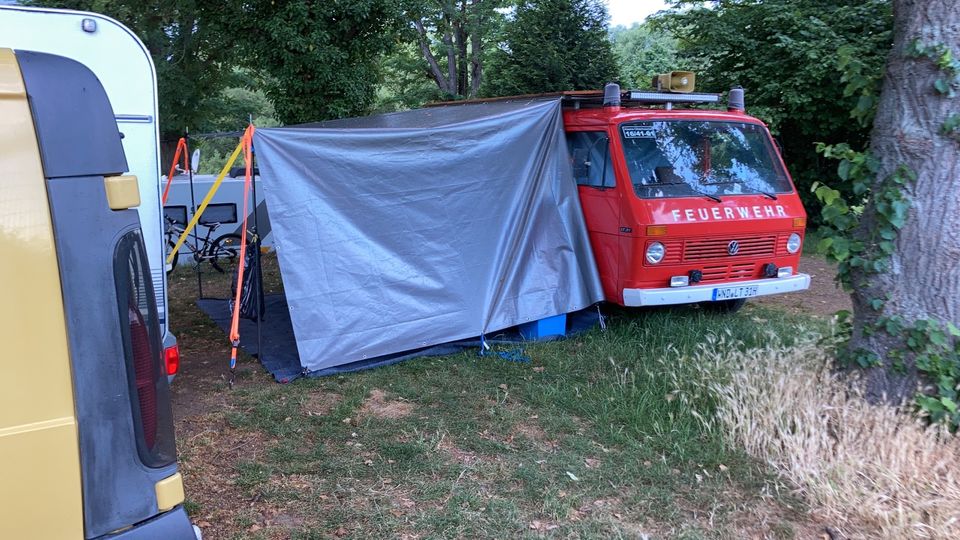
x: 683, y: 204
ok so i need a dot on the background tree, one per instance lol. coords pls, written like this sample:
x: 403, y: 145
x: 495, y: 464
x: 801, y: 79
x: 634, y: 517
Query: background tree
x: 553, y: 45
x: 906, y: 288
x: 189, y: 47
x: 785, y: 55
x: 406, y: 82
x: 238, y: 105
x: 643, y: 51
x: 316, y: 60
x: 452, y: 37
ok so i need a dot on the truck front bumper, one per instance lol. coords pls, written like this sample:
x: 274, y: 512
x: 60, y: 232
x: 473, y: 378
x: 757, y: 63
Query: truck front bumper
x: 704, y: 293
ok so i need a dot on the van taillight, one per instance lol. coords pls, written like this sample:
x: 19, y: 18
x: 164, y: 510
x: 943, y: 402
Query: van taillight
x: 146, y: 360
x: 172, y: 357
x: 144, y: 381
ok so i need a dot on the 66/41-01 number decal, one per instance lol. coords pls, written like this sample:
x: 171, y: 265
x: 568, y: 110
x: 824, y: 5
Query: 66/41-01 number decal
x: 731, y: 293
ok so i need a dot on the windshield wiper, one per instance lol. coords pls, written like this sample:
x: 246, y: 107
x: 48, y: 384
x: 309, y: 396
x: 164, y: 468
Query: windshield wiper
x: 767, y: 194
x: 707, y: 195
x: 691, y: 188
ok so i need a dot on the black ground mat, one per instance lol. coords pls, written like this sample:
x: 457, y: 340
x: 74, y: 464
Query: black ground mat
x: 280, y: 355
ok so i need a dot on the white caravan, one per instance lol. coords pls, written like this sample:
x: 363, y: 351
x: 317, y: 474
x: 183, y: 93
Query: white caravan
x: 223, y: 215
x: 122, y: 63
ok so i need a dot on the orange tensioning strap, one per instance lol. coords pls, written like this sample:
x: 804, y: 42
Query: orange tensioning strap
x: 181, y: 148
x: 247, y: 144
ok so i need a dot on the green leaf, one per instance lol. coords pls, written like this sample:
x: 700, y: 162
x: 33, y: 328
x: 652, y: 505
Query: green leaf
x: 824, y: 244
x: 929, y: 404
x: 937, y: 337
x: 899, y: 215
x: 949, y: 404
x: 859, y: 188
x: 827, y: 195
x: 951, y: 124
x: 843, y: 170
x: 841, y: 248
x: 942, y: 86
x: 946, y: 58
x: 892, y: 326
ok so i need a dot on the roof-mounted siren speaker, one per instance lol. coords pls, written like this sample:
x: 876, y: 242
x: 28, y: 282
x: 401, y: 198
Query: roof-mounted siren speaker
x: 611, y: 95
x: 681, y: 82
x: 735, y: 101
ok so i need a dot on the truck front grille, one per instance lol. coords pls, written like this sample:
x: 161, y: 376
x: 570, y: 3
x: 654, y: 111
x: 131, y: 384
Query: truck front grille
x: 718, y: 248
x: 726, y: 272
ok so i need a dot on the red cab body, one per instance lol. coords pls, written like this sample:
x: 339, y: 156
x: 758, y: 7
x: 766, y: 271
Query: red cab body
x: 708, y: 187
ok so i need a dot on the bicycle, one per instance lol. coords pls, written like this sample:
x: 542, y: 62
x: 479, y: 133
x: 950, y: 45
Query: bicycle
x: 224, y: 248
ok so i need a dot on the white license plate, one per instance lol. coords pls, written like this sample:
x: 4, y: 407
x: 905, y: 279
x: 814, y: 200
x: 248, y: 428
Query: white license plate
x: 730, y: 293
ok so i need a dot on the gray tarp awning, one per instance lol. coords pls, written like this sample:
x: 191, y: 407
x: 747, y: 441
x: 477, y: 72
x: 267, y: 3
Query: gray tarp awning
x: 412, y: 229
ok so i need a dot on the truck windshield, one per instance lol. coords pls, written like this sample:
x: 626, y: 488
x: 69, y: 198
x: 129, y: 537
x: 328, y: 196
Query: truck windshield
x: 691, y: 158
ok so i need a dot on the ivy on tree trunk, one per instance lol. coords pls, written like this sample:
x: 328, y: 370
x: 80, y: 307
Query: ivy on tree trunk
x: 911, y: 136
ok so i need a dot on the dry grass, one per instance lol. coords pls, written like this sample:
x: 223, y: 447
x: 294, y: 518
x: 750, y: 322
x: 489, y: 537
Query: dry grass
x: 875, y: 472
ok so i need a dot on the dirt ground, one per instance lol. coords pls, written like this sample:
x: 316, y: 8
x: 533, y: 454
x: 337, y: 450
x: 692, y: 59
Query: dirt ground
x: 210, y: 447
x: 823, y: 298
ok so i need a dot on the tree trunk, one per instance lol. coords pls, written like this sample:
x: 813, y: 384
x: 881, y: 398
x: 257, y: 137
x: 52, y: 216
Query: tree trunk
x: 462, y: 60
x: 435, y: 71
x: 923, y: 279
x: 476, y: 48
x: 451, y: 53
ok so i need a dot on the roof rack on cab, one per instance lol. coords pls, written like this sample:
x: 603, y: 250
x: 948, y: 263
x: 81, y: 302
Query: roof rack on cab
x: 675, y: 87
x: 635, y: 98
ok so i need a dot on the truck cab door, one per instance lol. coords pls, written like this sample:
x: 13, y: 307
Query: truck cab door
x: 596, y: 182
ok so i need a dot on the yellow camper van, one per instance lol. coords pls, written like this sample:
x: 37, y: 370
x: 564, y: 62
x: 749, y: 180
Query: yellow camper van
x: 86, y: 431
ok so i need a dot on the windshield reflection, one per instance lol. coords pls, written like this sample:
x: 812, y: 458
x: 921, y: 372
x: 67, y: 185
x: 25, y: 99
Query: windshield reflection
x: 689, y: 158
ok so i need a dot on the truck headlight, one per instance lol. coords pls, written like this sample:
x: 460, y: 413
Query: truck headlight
x: 793, y: 243
x: 655, y: 252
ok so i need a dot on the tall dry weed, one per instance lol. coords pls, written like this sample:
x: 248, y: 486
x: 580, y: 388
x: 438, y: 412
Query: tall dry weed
x: 868, y: 471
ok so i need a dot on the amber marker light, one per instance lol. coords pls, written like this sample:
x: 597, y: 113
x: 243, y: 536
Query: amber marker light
x: 656, y: 230
x: 799, y: 222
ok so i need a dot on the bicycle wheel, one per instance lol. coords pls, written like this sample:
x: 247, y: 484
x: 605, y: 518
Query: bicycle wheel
x: 176, y: 256
x: 225, y: 249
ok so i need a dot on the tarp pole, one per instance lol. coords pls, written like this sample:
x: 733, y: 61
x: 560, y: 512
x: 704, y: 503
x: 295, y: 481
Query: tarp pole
x: 261, y: 299
x: 193, y: 208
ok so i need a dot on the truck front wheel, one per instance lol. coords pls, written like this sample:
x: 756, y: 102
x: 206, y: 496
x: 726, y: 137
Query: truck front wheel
x: 725, y: 306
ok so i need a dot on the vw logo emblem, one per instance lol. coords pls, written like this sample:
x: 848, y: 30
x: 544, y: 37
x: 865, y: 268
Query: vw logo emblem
x: 733, y: 247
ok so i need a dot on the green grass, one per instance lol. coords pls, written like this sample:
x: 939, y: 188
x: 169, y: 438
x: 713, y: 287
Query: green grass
x: 584, y: 441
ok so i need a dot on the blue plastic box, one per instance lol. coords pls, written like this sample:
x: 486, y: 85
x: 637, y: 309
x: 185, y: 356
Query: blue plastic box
x: 545, y: 328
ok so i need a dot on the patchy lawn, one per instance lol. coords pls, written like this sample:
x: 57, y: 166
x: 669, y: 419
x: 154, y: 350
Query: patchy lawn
x: 587, y: 440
